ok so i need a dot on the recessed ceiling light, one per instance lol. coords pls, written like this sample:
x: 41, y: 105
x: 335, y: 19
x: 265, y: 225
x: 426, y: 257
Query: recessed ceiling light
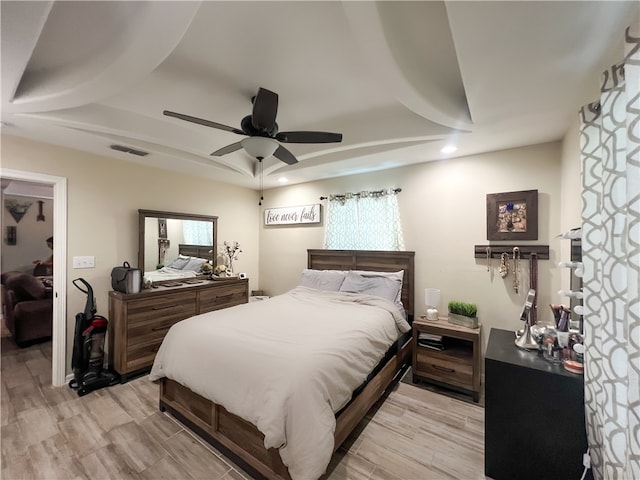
x: 283, y: 180
x: 449, y: 149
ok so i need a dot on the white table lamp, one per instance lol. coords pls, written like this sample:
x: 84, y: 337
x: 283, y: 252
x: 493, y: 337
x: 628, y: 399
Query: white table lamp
x: 432, y: 301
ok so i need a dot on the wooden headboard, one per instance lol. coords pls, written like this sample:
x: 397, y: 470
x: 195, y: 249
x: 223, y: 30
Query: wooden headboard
x: 200, y: 251
x: 379, y: 261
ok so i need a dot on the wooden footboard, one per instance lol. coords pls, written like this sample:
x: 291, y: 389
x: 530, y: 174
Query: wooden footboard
x: 243, y: 442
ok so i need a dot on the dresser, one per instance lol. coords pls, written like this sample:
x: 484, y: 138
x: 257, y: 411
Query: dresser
x: 534, y: 415
x: 138, y: 322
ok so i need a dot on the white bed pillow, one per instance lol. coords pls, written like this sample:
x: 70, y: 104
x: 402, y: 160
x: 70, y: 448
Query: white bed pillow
x: 329, y: 280
x: 382, y: 284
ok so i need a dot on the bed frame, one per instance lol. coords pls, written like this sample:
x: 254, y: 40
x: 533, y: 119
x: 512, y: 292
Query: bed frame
x: 241, y: 441
x: 200, y: 251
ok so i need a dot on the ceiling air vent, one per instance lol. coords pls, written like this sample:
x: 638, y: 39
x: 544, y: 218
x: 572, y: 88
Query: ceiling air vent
x: 132, y: 151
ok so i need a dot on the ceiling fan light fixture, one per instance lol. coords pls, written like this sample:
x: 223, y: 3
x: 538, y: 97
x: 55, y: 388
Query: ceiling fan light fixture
x: 259, y: 147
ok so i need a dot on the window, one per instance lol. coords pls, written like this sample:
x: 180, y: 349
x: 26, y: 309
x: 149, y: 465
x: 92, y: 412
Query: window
x: 197, y: 232
x: 364, y: 221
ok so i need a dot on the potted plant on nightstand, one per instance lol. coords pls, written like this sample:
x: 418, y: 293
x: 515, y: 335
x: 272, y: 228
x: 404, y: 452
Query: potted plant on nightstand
x: 463, y: 313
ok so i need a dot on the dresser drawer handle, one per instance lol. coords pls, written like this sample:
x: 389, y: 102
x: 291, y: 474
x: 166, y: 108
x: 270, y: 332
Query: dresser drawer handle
x: 223, y: 297
x: 442, y: 369
x: 164, y: 307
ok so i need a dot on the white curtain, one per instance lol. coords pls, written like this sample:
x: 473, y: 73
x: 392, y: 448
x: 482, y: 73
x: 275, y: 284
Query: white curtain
x: 610, y: 149
x: 364, y: 221
x: 197, y: 232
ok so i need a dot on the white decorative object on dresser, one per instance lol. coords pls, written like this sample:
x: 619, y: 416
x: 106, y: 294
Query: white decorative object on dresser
x: 138, y: 322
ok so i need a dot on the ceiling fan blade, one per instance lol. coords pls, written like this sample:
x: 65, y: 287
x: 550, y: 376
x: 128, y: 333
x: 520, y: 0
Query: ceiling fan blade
x: 228, y: 149
x: 285, y: 155
x: 201, y: 121
x: 265, y: 109
x: 309, y: 137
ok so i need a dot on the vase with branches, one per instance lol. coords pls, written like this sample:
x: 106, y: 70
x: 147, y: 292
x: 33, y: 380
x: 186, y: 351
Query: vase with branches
x: 230, y: 250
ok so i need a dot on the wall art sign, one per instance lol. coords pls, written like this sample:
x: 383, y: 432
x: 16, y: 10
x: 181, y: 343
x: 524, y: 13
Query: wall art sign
x: 292, y: 215
x: 512, y: 215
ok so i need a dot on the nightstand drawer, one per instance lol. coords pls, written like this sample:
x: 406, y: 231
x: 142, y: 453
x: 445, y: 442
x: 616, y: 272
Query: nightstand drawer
x: 448, y: 370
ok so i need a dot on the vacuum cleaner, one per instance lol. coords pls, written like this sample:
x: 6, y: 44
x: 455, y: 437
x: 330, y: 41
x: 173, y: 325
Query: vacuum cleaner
x: 88, y: 347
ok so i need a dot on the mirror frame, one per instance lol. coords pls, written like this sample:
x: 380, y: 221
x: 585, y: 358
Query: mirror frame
x: 144, y: 214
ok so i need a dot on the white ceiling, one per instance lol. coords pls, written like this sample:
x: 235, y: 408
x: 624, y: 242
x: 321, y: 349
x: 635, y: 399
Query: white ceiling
x: 25, y: 189
x: 399, y: 80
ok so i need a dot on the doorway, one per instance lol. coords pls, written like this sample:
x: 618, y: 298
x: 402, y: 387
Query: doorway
x: 59, y: 334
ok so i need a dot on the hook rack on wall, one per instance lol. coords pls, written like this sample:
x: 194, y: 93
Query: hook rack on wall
x: 542, y: 251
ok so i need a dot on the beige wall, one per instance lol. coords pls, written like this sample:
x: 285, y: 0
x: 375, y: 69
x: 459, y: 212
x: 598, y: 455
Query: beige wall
x: 442, y: 206
x: 104, y: 196
x: 31, y: 235
x: 443, y: 210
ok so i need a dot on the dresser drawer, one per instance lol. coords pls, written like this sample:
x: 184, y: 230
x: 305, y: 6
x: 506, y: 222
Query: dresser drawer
x: 141, y: 355
x: 150, y: 319
x: 175, y: 306
x: 450, y: 370
x: 222, y: 296
x: 139, y: 322
x: 152, y: 330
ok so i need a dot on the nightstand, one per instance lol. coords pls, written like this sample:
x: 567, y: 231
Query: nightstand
x: 457, y: 365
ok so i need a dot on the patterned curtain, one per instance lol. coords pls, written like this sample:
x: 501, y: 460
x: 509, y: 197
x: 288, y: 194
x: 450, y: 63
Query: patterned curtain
x: 197, y: 232
x: 364, y: 221
x: 610, y: 149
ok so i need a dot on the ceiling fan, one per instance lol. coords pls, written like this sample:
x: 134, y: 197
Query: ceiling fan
x: 262, y: 131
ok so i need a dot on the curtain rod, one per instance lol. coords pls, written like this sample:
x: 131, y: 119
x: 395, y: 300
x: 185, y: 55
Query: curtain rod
x: 375, y: 192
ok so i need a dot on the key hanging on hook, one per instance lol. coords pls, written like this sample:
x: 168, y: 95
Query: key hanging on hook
x: 504, y: 265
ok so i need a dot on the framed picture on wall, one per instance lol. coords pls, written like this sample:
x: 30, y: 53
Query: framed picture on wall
x: 512, y: 215
x: 12, y: 235
x: 162, y: 228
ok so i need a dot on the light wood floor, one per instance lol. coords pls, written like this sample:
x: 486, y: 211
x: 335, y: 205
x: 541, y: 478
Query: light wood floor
x: 118, y: 433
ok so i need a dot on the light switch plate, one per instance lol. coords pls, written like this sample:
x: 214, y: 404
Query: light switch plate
x: 84, y: 262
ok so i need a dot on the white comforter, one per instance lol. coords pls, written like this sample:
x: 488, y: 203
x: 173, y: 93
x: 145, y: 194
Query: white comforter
x: 168, y: 273
x: 285, y: 364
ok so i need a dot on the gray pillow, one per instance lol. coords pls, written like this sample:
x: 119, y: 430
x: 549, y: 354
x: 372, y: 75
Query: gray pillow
x: 194, y: 264
x: 382, y: 284
x: 329, y: 280
x: 179, y: 263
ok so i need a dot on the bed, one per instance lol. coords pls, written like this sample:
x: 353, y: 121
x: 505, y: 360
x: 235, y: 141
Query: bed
x: 313, y: 414
x: 186, y: 265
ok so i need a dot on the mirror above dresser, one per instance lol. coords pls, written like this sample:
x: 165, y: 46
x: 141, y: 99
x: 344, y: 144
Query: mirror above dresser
x: 174, y: 245
x: 139, y: 321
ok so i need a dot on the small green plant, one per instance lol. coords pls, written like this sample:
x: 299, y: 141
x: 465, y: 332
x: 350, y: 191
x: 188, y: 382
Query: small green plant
x: 463, y: 308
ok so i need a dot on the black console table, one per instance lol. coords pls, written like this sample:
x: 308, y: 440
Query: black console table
x: 534, y: 415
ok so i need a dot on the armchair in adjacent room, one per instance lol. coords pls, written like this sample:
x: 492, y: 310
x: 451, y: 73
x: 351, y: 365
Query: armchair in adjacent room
x: 27, y: 306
